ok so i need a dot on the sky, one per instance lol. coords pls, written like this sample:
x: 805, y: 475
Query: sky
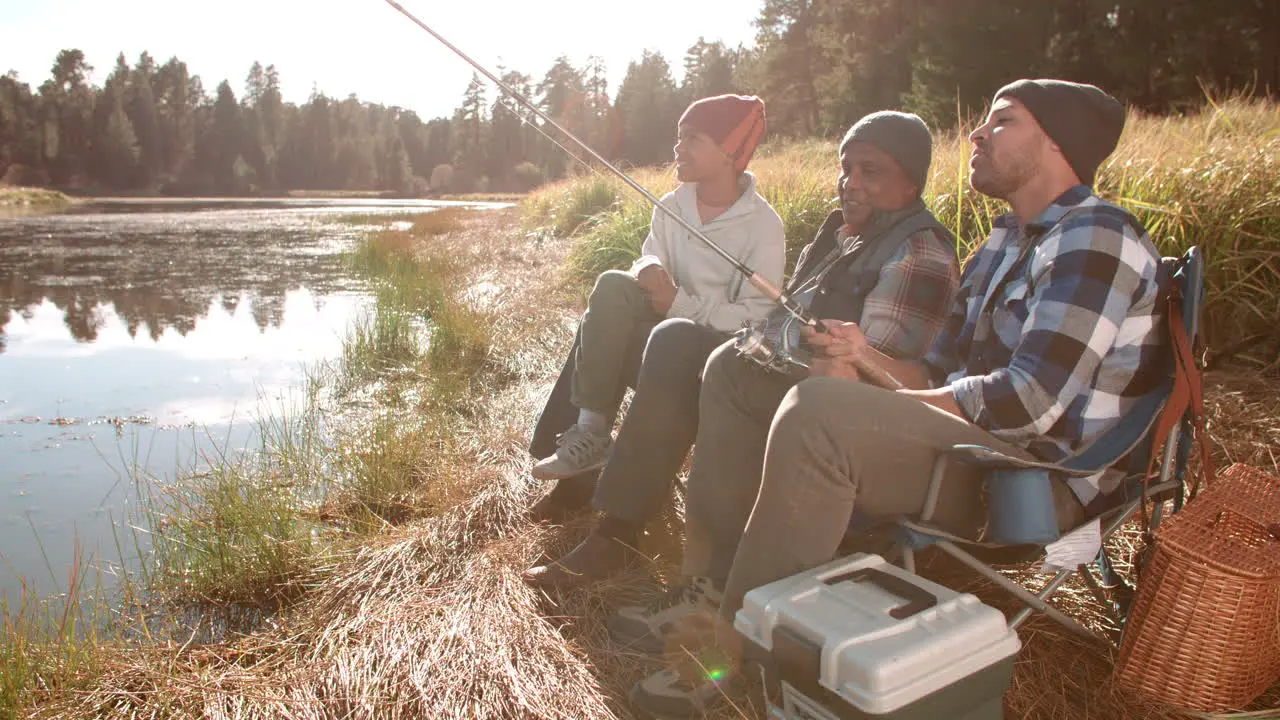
x: 364, y: 47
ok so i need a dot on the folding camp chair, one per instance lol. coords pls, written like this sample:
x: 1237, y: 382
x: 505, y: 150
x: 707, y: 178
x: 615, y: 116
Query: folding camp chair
x: 1020, y: 501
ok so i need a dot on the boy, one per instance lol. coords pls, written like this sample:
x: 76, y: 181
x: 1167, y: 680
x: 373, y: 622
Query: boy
x: 678, y: 278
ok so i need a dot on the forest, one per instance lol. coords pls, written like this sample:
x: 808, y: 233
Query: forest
x: 155, y: 128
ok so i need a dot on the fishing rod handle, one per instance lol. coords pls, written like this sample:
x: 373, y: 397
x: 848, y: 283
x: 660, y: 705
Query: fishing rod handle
x: 871, y: 371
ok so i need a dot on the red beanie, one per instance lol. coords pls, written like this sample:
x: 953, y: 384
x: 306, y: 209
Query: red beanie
x: 735, y: 122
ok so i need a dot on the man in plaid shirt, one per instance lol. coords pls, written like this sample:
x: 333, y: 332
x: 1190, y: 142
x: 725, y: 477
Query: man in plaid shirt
x: 881, y: 260
x: 1051, y: 338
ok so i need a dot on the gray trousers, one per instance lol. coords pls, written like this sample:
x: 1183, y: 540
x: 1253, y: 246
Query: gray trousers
x: 660, y: 424
x: 833, y: 445
x: 664, y: 365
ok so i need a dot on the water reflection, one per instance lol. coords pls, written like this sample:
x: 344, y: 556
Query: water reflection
x: 140, y: 341
x: 201, y: 375
x: 161, y: 270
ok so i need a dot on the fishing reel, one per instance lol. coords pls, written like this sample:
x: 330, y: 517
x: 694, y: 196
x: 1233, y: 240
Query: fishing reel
x: 774, y: 344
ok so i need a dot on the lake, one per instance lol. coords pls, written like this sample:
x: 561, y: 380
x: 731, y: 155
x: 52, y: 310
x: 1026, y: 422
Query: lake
x: 137, y: 336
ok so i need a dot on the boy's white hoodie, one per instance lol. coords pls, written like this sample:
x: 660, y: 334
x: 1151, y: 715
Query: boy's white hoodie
x: 709, y: 290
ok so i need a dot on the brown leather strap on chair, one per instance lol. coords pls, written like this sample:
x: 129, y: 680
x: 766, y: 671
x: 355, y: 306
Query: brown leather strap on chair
x: 1187, y: 396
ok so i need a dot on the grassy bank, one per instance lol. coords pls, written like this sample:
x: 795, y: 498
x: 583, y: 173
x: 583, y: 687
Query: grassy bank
x: 1210, y: 179
x: 374, y: 442
x: 25, y: 198
x: 253, y: 530
x: 381, y: 568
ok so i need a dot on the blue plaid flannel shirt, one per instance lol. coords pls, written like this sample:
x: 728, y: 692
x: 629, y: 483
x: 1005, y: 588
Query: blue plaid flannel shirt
x: 1055, y: 330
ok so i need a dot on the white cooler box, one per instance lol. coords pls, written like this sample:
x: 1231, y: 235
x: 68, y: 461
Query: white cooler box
x: 860, y: 638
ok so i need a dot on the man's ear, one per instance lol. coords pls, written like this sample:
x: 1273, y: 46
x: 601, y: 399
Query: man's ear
x: 1056, y: 151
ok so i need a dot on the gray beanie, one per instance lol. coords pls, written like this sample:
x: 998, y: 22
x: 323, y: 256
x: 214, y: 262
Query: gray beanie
x: 1082, y: 120
x: 904, y: 136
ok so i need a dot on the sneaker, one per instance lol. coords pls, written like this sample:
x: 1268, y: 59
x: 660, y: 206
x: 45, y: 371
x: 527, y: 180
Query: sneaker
x: 596, y: 558
x: 649, y: 628
x: 691, y: 690
x: 580, y: 450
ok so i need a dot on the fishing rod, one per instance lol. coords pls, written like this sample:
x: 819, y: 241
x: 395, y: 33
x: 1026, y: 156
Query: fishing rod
x: 866, y: 367
x: 524, y: 120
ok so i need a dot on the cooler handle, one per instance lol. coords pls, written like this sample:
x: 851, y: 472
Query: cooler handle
x: 918, y: 599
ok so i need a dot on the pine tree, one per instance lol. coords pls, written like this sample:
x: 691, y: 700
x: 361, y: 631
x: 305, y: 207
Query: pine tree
x: 506, y: 144
x: 68, y: 109
x: 224, y: 136
x: 470, y: 120
x: 866, y: 49
x: 115, y: 144
x: 20, y: 156
x: 961, y: 66
x: 790, y: 61
x: 413, y: 134
x: 396, y: 174
x: 140, y: 105
x: 559, y: 95
x: 175, y: 109
x: 262, y: 114
x: 708, y: 70
x: 649, y: 106
x: 603, y: 128
x: 440, y: 144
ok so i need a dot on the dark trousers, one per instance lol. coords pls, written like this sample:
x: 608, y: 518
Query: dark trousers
x: 661, y: 423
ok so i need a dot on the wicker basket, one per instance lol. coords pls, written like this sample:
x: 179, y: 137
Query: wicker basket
x: 1204, y: 632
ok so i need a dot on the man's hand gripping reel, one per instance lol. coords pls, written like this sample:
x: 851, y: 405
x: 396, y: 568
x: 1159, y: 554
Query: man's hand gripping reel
x: 755, y: 344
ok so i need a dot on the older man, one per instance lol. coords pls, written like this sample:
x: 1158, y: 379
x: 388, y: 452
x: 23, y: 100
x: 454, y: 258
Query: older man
x: 1051, y: 338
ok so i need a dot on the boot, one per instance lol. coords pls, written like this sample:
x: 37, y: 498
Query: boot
x: 569, y: 498
x: 594, y: 559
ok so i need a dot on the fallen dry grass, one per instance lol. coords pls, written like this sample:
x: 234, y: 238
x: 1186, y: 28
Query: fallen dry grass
x: 430, y: 619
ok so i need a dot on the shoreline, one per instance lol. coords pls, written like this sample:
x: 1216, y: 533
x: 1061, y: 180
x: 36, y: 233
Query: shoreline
x: 415, y: 468
x: 72, y: 195
x: 31, y: 199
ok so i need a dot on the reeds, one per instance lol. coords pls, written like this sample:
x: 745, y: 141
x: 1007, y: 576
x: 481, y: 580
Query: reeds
x: 50, y: 644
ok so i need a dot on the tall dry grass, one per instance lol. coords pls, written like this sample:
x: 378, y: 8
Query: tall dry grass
x: 1210, y: 179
